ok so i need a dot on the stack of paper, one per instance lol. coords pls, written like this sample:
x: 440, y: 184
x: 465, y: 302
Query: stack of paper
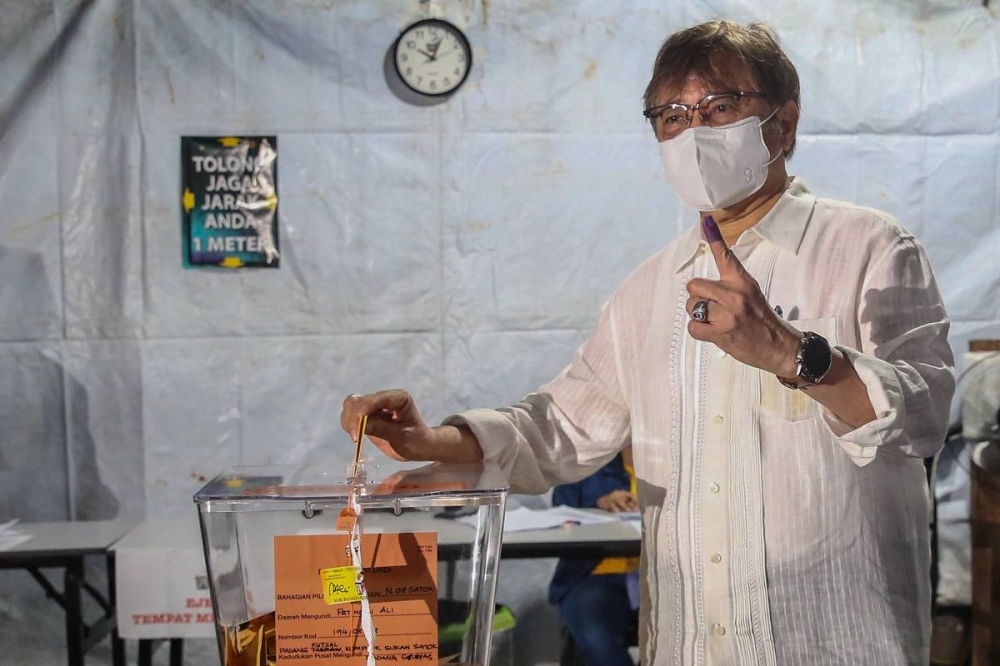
x: 10, y: 536
x: 633, y: 518
x: 523, y: 519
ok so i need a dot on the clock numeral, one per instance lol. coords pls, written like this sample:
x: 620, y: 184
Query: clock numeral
x: 410, y: 44
x: 409, y: 71
x: 447, y: 81
x: 418, y: 33
x: 420, y: 79
x: 404, y: 57
x: 458, y: 72
x: 461, y: 57
x: 434, y: 85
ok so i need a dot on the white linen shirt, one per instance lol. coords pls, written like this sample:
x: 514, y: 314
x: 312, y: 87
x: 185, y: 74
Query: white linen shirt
x: 773, y: 533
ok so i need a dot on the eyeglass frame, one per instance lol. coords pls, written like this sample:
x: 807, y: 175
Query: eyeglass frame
x: 653, y: 112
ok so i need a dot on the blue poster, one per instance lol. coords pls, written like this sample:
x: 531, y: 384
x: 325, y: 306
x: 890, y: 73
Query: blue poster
x: 229, y: 201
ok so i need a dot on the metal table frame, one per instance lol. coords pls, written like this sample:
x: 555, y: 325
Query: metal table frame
x: 57, y: 547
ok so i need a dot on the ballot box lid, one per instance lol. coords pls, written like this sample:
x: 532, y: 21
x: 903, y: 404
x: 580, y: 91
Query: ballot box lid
x: 373, y: 484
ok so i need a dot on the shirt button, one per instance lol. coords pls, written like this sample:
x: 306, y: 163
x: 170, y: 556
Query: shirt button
x: 719, y: 630
x: 716, y: 558
x: 717, y: 419
x: 714, y: 488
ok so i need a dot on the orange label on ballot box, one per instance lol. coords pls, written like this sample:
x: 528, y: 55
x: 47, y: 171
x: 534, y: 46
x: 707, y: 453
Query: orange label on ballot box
x: 400, y: 578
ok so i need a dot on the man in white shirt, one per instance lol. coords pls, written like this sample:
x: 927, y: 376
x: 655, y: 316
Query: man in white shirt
x: 780, y: 370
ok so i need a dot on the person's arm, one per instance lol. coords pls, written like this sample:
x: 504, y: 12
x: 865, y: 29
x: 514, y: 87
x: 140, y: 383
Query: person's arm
x: 397, y: 428
x: 566, y: 430
x: 562, y: 433
x: 741, y: 322
x: 905, y: 367
x: 895, y: 391
x: 841, y: 391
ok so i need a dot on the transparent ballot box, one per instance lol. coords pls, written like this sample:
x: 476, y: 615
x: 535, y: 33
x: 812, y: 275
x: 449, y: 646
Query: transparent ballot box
x: 340, y: 566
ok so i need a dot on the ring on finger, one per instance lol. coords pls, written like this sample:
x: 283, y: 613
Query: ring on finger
x: 700, y: 311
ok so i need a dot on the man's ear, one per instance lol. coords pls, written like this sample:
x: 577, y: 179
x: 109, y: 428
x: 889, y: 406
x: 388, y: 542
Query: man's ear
x: 788, y: 122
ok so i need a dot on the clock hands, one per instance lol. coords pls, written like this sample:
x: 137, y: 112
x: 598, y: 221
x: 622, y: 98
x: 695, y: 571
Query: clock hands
x: 433, y: 48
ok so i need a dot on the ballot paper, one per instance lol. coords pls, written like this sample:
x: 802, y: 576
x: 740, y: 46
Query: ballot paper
x: 11, y: 536
x: 522, y: 519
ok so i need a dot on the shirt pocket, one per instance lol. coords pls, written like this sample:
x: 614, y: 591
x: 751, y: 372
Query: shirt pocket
x: 788, y: 404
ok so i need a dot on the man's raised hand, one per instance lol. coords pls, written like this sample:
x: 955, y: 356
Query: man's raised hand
x: 739, y: 320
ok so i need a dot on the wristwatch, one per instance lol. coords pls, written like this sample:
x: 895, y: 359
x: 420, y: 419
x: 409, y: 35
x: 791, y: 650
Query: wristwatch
x: 812, y: 362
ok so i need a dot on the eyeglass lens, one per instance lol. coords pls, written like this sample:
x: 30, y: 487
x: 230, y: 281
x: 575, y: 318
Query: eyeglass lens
x: 715, y: 110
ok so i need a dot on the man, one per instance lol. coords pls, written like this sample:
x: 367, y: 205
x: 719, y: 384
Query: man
x: 778, y: 395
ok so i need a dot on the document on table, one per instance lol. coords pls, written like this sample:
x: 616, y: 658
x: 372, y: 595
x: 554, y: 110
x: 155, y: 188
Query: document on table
x: 633, y: 518
x: 523, y: 519
x: 10, y: 536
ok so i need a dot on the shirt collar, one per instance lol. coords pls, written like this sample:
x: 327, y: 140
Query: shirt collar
x: 784, y: 225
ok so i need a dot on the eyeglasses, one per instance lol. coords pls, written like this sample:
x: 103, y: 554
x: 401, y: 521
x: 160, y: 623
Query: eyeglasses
x: 669, y: 120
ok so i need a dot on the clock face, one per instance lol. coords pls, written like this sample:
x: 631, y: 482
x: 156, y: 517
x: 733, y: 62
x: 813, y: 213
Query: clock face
x: 433, y: 57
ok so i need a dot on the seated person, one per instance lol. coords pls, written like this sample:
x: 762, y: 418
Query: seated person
x: 597, y: 605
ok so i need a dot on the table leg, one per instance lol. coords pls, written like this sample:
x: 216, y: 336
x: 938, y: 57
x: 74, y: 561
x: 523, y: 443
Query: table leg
x: 74, y: 619
x: 449, y: 579
x: 117, y: 644
x: 176, y: 652
x: 146, y: 651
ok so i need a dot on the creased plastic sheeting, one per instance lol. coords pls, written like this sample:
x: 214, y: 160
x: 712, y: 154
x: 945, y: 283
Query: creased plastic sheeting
x: 540, y: 230
x: 359, y: 239
x: 549, y: 68
x: 461, y: 250
x: 203, y: 67
x: 98, y: 172
x: 269, y: 401
x: 30, y: 234
x: 493, y: 369
x: 32, y: 434
x: 104, y: 400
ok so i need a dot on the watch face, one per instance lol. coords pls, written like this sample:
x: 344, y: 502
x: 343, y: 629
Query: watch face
x: 816, y: 357
x: 433, y: 57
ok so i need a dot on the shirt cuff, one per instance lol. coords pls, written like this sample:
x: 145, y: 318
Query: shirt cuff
x: 495, y: 433
x: 886, y: 396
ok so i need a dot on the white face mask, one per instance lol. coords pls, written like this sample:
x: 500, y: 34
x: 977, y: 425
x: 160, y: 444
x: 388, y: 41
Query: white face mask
x: 715, y: 167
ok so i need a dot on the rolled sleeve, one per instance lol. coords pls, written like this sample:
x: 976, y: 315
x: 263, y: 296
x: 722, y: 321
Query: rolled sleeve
x: 496, y: 434
x: 886, y: 396
x: 567, y: 430
x: 905, y: 362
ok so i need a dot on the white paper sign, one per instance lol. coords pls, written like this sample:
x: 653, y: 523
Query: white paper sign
x: 163, y: 593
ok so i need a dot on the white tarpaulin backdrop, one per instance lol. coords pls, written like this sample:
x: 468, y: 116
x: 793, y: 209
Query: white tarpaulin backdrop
x: 460, y: 250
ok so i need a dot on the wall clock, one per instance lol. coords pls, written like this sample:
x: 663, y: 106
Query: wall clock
x: 432, y: 58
